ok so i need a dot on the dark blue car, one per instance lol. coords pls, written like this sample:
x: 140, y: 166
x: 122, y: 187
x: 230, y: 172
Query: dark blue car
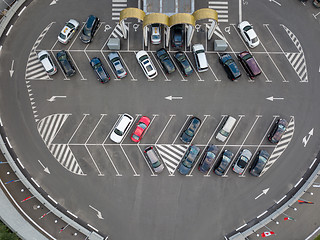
x: 183, y: 63
x: 191, y: 128
x: 188, y: 160
x: 208, y: 159
x: 230, y: 66
x: 97, y: 66
x: 259, y: 163
x: 165, y: 60
x: 224, y: 163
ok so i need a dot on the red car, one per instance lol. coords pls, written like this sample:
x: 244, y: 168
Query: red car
x: 140, y: 129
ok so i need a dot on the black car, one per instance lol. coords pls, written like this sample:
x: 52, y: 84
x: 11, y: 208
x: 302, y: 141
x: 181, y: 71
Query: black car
x: 89, y: 29
x: 259, y: 163
x: 97, y: 66
x: 230, y: 66
x: 188, y: 160
x: 65, y: 63
x: 278, y: 130
x: 177, y: 36
x: 191, y: 128
x: 224, y: 163
x: 183, y: 63
x: 208, y: 158
x: 165, y: 60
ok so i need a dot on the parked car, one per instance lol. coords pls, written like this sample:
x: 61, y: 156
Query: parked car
x: 99, y: 69
x: 226, y: 129
x: 146, y: 64
x: 248, y: 34
x: 117, y: 64
x: 191, y: 128
x: 188, y: 160
x: 200, y: 57
x: 65, y: 63
x: 208, y: 158
x: 121, y: 127
x: 89, y: 29
x: 230, y: 66
x: 259, y: 163
x: 249, y: 64
x: 67, y: 31
x: 141, y: 128
x: 47, y: 63
x: 153, y: 159
x: 155, y: 34
x: 242, y: 161
x: 183, y: 63
x: 165, y: 60
x: 224, y: 162
x: 177, y: 36
x: 278, y: 130
x: 316, y: 3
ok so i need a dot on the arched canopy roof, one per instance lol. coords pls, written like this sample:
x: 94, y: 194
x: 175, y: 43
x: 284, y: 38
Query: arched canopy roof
x: 205, y: 13
x: 182, y: 18
x: 156, y: 18
x: 132, y: 13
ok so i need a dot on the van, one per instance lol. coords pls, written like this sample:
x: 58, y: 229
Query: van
x: 200, y: 57
x: 224, y: 132
x: 121, y: 127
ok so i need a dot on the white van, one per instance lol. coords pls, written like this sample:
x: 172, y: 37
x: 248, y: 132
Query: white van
x: 121, y: 127
x: 200, y: 57
x: 224, y: 132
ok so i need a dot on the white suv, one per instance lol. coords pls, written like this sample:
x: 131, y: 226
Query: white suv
x: 146, y: 64
x: 200, y: 57
x: 121, y: 127
x: 67, y: 31
x: 47, y: 62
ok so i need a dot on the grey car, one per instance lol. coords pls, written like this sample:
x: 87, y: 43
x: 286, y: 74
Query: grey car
x: 224, y: 163
x: 208, y: 159
x: 242, y: 161
x: 153, y: 159
x: 188, y: 160
x: 117, y: 65
x: 259, y: 163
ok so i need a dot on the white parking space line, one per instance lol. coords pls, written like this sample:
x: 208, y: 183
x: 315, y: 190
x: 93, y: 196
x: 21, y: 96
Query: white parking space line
x: 152, y: 173
x: 118, y: 174
x: 111, y: 130
x: 240, y: 147
x: 264, y: 137
x: 82, y: 77
x: 194, y: 69
x: 76, y: 37
x: 156, y: 59
x: 179, y: 133
x: 95, y: 164
x: 87, y: 55
x: 102, y: 115
x: 130, y: 127
x: 171, y: 116
x: 205, y: 147
x: 268, y: 80
x: 84, y: 116
x: 217, y: 80
x: 132, y: 77
x: 154, y: 116
x: 125, y: 154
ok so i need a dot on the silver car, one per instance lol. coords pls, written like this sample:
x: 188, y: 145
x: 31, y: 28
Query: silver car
x: 117, y: 65
x: 242, y: 161
x: 153, y: 159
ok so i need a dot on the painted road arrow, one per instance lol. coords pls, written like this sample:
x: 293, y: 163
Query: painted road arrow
x: 263, y: 192
x: 274, y: 98
x: 173, y: 98
x: 46, y: 169
x: 306, y: 139
x: 11, y: 71
x: 53, y: 98
x: 99, y: 215
x: 54, y: 2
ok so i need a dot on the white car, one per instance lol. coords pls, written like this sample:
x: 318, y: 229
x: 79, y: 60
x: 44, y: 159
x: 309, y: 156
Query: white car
x: 200, y: 57
x: 248, y: 34
x: 155, y: 34
x: 67, y: 31
x: 47, y: 62
x: 121, y: 127
x: 146, y: 64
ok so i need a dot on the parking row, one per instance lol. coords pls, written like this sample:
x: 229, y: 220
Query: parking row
x: 79, y: 145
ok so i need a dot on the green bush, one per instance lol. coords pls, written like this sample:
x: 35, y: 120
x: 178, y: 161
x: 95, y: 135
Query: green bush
x: 6, y: 234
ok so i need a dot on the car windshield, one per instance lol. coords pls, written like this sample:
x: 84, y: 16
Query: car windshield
x: 156, y: 37
x: 188, y: 162
x: 144, y: 57
x: 61, y: 35
x: 86, y: 31
x: 247, y: 28
x: 156, y: 164
x: 211, y: 155
x: 70, y: 25
x: 262, y: 160
x: 224, y: 133
x: 43, y: 57
x: 246, y: 57
x: 62, y: 57
x: 200, y: 51
x: 242, y: 162
x: 135, y: 137
x: 118, y: 132
x: 98, y: 65
x: 142, y: 125
x: 282, y: 128
x: 254, y: 40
